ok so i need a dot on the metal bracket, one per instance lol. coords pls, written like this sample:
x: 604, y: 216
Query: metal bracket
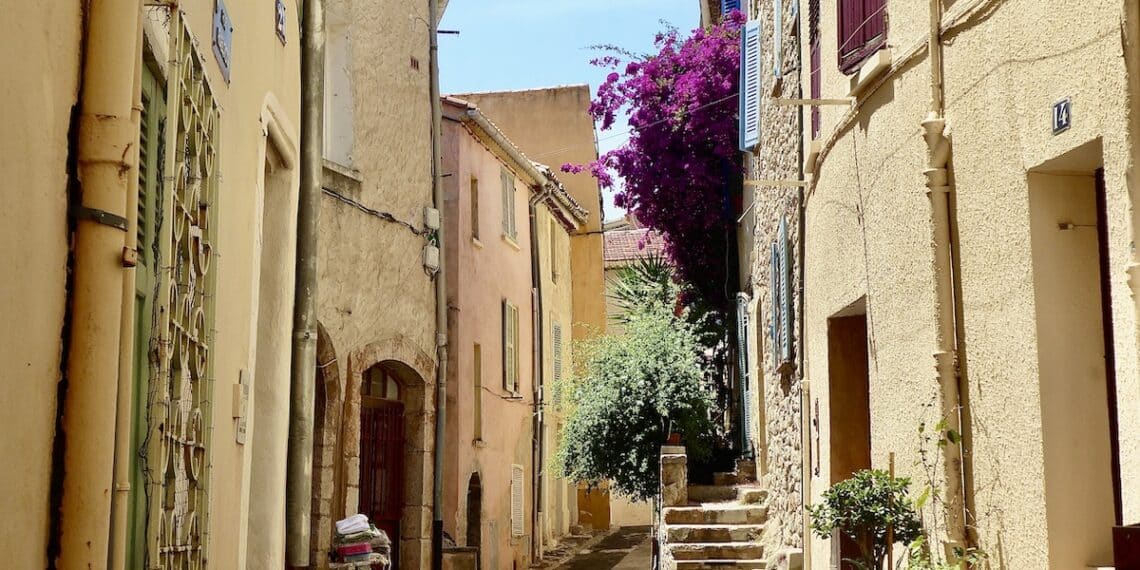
x: 848, y: 101
x: 100, y: 217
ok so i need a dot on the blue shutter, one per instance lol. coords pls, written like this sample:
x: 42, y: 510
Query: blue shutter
x: 774, y: 293
x: 750, y: 85
x: 727, y: 6
x: 785, y: 294
x: 777, y: 38
x: 745, y: 369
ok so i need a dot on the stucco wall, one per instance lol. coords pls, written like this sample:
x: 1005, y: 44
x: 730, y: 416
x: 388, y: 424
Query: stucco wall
x: 34, y: 232
x: 482, y: 274
x: 870, y: 234
x: 373, y: 288
x: 553, y: 127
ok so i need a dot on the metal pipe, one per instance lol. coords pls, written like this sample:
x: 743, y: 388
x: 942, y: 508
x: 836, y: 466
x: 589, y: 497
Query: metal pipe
x: 945, y: 302
x: 107, y: 167
x: 120, y: 501
x: 537, y: 369
x: 302, y: 381
x: 440, y: 291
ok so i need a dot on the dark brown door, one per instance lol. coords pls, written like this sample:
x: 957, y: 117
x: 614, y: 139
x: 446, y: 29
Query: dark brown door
x: 382, y: 466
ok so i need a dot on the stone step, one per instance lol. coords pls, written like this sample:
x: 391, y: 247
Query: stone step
x: 721, y: 564
x: 716, y: 551
x: 727, y: 513
x: 728, y: 479
x: 747, y: 494
x: 713, y: 533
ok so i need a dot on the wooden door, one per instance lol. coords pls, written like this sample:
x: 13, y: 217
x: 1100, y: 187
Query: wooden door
x: 382, y: 466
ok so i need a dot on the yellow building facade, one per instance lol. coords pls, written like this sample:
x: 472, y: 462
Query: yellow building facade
x: 170, y: 301
x: 968, y: 268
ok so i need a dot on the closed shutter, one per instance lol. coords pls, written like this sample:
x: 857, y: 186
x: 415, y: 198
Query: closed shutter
x: 508, y: 182
x: 862, y: 31
x: 749, y: 86
x: 744, y: 363
x: 774, y: 294
x: 517, y: 517
x: 510, y: 347
x: 727, y: 6
x: 556, y: 346
x: 785, y: 294
x: 816, y: 88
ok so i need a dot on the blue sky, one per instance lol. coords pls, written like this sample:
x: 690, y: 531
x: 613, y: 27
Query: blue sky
x: 521, y: 44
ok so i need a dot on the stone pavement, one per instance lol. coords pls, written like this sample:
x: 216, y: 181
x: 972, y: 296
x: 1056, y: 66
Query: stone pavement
x: 627, y: 548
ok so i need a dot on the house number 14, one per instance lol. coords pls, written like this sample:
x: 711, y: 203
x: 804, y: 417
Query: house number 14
x: 1062, y: 115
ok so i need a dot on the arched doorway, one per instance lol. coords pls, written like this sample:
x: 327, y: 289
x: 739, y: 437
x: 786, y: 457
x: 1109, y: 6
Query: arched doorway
x: 382, y: 451
x: 475, y: 512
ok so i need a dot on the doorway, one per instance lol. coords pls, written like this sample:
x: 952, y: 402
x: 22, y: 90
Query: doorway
x: 1076, y: 364
x: 850, y: 406
x: 382, y: 453
x: 475, y: 512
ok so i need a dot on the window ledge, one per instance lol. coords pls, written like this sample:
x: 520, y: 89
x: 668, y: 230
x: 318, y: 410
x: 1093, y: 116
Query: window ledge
x: 475, y: 242
x: 511, y: 242
x: 874, y: 66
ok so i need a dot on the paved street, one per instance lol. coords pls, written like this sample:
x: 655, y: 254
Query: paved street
x: 628, y: 548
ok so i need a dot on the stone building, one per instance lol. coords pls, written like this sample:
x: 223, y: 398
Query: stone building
x: 152, y: 280
x: 509, y: 295
x: 376, y: 377
x: 969, y: 267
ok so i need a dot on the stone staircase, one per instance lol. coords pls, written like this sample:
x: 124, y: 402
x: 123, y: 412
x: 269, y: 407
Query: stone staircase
x: 715, y: 526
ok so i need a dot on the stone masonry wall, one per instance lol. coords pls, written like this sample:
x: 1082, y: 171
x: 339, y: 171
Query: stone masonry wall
x: 777, y: 159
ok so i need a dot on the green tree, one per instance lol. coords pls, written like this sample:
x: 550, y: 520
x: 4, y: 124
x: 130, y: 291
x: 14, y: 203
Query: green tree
x: 628, y: 393
x: 867, y: 508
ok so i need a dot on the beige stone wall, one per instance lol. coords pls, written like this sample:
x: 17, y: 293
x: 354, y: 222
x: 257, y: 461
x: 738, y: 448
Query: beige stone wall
x: 776, y: 395
x: 34, y: 235
x: 870, y: 232
x: 374, y: 291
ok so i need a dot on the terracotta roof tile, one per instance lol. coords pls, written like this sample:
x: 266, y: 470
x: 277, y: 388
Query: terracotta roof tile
x: 626, y: 245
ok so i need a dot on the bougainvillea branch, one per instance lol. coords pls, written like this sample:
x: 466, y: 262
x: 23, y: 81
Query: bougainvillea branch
x: 676, y: 167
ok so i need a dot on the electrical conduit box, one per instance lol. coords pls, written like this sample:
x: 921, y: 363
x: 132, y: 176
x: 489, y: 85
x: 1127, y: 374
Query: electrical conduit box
x: 431, y: 258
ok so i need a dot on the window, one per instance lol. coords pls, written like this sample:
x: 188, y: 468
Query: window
x: 510, y: 347
x: 380, y: 383
x: 862, y: 31
x: 477, y: 373
x: 816, y: 66
x: 553, y: 251
x: 474, y: 207
x: 509, y: 228
x: 517, y: 517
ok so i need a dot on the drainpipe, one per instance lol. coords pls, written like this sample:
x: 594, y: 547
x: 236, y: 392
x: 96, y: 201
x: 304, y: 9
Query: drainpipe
x: 123, y: 413
x: 440, y: 293
x: 302, y: 378
x: 107, y: 168
x: 805, y: 390
x: 537, y: 367
x: 945, y: 306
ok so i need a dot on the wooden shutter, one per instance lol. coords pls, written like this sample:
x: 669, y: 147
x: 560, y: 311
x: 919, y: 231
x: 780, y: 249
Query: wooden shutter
x: 727, y: 6
x: 474, y: 207
x: 744, y: 363
x: 774, y: 294
x: 508, y: 182
x: 777, y: 38
x: 556, y: 346
x: 862, y: 31
x: 749, y: 86
x: 816, y: 88
x: 785, y: 293
x: 518, y: 518
x: 508, y: 348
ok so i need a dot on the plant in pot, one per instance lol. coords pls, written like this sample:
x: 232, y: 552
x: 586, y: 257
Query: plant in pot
x: 873, y: 510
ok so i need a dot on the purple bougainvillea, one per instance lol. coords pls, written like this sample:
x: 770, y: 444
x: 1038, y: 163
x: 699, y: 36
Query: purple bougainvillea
x: 682, y: 151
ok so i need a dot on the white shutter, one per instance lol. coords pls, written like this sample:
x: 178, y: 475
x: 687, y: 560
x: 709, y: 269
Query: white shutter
x: 749, y: 85
x: 785, y: 294
x: 744, y: 364
x: 518, y: 527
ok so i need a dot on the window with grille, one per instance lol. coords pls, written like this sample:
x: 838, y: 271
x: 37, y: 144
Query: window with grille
x: 862, y: 31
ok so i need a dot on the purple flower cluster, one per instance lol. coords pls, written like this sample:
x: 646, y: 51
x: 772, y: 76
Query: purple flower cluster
x: 682, y: 151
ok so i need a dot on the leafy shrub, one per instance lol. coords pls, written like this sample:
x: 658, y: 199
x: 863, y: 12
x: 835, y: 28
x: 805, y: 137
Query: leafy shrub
x: 863, y: 508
